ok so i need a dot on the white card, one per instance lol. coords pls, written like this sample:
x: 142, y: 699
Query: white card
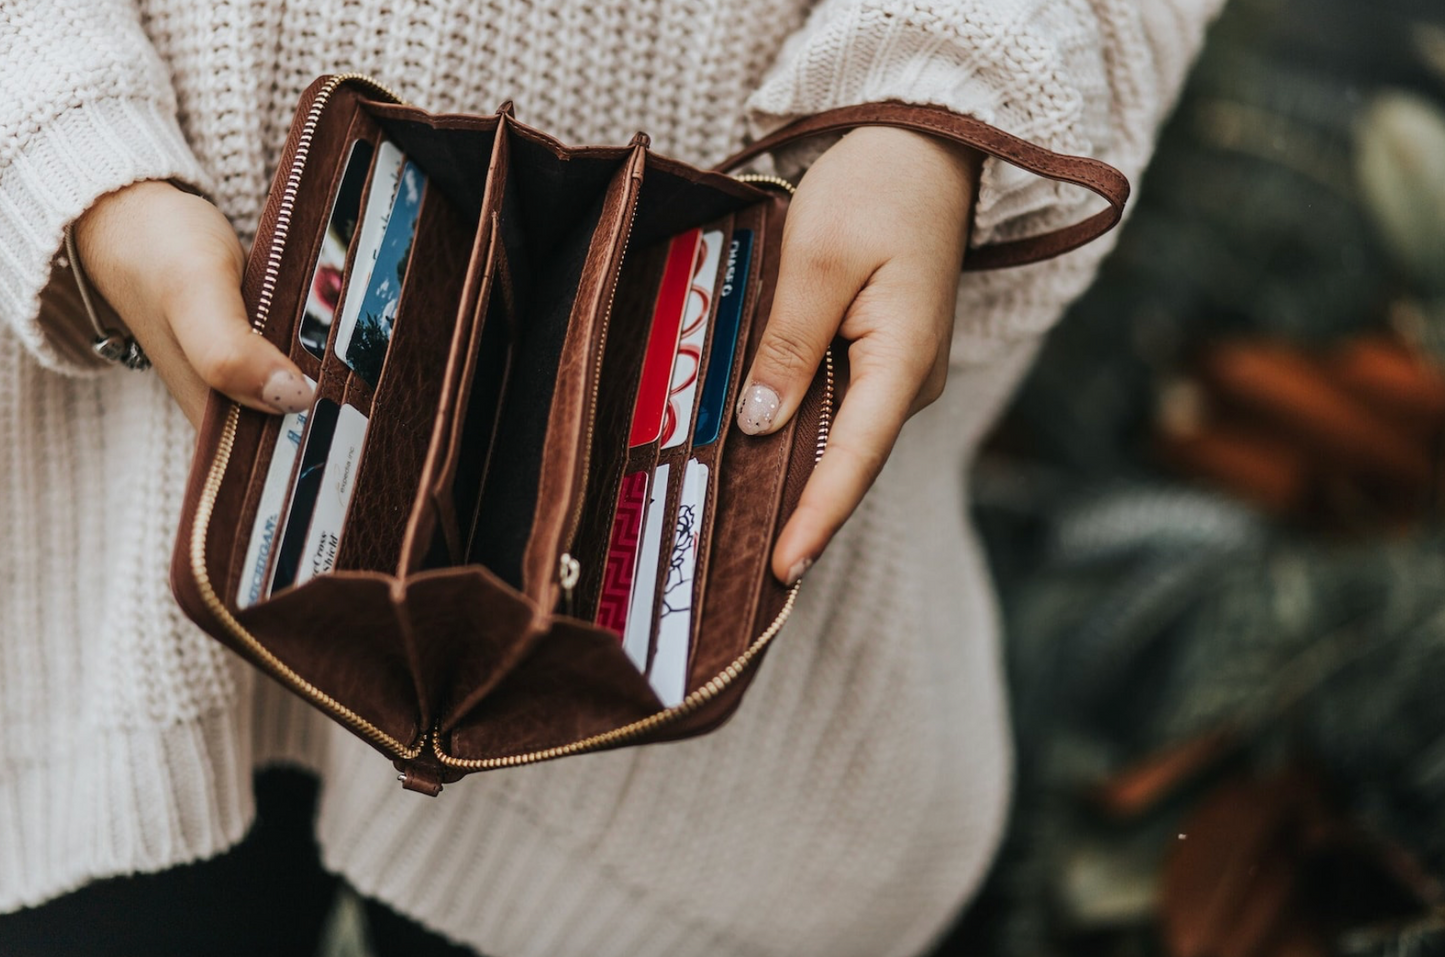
x: 674, y: 623
x: 638, y: 638
x: 268, y: 512
x: 384, y: 178
x: 687, y: 366
x: 338, y: 481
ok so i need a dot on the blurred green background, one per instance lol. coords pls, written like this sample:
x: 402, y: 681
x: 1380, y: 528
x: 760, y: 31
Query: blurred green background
x: 1212, y: 514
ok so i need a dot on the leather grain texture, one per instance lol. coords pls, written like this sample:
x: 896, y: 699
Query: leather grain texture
x: 1091, y: 174
x: 504, y: 404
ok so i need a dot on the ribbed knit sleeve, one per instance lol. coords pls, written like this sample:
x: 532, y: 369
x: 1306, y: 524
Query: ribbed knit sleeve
x: 88, y: 108
x: 1087, y: 77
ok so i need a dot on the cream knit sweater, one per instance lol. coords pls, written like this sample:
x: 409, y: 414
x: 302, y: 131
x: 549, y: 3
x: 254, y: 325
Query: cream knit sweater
x: 853, y: 804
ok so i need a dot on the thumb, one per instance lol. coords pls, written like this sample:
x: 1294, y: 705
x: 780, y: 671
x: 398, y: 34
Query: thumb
x: 817, y: 282
x: 207, y: 316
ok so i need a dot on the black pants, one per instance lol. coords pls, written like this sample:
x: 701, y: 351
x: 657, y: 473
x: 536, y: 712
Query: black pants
x: 267, y: 897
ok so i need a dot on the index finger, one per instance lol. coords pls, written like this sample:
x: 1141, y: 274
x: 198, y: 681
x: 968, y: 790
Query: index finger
x: 874, y: 409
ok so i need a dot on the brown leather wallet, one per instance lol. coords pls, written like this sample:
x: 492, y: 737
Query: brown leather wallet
x: 457, y: 628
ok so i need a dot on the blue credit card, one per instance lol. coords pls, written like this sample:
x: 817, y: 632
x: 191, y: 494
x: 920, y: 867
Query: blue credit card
x: 321, y: 428
x: 366, y: 350
x: 713, y: 407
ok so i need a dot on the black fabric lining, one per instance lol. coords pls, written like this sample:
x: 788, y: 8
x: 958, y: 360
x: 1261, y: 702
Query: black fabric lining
x: 551, y: 207
x: 550, y: 211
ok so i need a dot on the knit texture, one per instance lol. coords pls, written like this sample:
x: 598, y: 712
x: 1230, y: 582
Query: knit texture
x: 854, y: 802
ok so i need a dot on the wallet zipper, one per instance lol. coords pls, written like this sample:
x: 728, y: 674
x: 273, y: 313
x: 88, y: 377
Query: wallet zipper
x: 212, y: 486
x: 698, y: 698
x: 568, y: 568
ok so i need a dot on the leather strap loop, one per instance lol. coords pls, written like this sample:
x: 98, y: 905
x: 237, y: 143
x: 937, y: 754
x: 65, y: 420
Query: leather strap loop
x: 1091, y: 174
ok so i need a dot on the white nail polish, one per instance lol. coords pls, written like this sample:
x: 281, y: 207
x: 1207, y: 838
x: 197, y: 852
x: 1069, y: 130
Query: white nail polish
x: 757, y: 409
x: 286, y: 392
x: 796, y: 572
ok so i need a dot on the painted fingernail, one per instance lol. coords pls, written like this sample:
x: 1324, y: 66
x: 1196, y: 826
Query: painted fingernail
x: 757, y: 408
x: 286, y: 391
x: 796, y: 572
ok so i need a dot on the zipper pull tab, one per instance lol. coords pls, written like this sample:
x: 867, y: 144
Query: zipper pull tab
x: 569, y: 570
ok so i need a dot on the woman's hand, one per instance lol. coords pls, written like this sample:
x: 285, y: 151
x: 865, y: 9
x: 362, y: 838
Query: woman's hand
x: 873, y: 244
x: 170, y: 265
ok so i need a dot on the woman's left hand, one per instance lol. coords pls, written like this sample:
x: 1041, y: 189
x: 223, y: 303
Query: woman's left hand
x: 871, y: 252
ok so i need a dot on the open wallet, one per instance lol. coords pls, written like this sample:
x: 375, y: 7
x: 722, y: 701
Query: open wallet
x: 519, y: 521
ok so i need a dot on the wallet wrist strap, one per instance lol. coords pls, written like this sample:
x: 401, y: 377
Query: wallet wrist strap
x: 1091, y: 174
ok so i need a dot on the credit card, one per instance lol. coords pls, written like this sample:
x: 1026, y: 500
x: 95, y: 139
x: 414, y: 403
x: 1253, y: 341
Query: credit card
x: 371, y: 334
x: 714, y: 403
x: 303, y: 494
x: 381, y: 191
x: 333, y: 497
x: 621, y: 568
x: 668, y: 674
x: 652, y: 389
x: 687, y: 364
x: 325, y: 289
x: 637, y: 639
x: 268, y: 512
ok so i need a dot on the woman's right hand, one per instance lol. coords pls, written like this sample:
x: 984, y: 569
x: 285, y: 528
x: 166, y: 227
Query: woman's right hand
x: 170, y: 265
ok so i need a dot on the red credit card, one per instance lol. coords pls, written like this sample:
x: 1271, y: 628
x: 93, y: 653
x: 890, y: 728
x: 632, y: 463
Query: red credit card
x: 616, y: 593
x: 652, y: 392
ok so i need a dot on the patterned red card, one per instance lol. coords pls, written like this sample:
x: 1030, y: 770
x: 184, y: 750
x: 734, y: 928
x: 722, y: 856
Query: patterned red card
x: 622, y: 553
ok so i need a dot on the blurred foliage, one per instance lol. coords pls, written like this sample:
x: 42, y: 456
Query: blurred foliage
x: 1298, y: 194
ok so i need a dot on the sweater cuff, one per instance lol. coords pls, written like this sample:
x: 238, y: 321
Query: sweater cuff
x: 1037, y: 74
x: 60, y: 171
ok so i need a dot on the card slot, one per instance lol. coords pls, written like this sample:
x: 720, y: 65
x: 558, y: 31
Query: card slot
x: 672, y: 586
x: 403, y: 407
x: 607, y: 583
x: 339, y: 124
x: 321, y: 300
x: 734, y: 314
x: 754, y: 485
x: 264, y: 442
x: 331, y: 385
x: 640, y: 295
x: 238, y: 499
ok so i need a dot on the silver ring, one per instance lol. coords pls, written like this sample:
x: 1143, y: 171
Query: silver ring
x: 114, y: 346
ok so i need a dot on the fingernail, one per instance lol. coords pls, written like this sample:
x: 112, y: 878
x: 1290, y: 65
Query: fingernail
x: 796, y: 572
x: 286, y: 391
x: 757, y: 408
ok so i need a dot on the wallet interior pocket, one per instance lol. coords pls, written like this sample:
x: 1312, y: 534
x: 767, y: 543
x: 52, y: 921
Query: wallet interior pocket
x: 403, y: 408
x: 496, y: 436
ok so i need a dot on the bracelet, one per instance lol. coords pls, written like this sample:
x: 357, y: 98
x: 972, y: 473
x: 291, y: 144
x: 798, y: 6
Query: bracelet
x: 112, y: 345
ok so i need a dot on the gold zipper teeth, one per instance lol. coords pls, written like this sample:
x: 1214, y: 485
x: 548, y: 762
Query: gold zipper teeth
x: 211, y: 489
x: 282, y: 230
x: 206, y: 507
x: 576, y: 518
x: 766, y: 180
x: 693, y: 701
